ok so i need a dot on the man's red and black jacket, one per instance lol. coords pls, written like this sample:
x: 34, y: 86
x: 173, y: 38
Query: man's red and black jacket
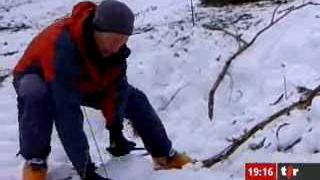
x: 65, y: 55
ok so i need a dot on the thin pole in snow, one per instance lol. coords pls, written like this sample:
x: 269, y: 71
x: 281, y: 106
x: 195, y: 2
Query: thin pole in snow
x: 95, y: 141
x: 192, y: 11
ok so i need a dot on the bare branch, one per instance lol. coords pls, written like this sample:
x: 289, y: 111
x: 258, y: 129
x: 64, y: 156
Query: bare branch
x: 9, y: 53
x: 239, y: 39
x: 4, y: 74
x: 302, y: 89
x: 15, y: 28
x: 166, y: 105
x: 143, y: 29
x: 244, y: 48
x: 279, y: 128
x: 256, y: 146
x: 290, y: 146
x: 304, y: 102
x: 215, y: 28
x: 180, y: 39
x: 274, y: 13
x: 278, y: 100
x: 150, y: 27
x: 220, y: 79
x: 231, y: 86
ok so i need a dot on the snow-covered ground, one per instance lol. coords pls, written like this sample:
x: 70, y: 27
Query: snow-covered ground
x: 177, y: 58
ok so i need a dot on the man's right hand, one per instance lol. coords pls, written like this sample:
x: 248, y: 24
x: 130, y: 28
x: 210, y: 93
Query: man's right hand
x: 95, y: 176
x: 91, y: 173
x: 98, y: 177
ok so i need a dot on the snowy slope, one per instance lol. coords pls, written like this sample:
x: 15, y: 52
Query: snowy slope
x: 177, y: 58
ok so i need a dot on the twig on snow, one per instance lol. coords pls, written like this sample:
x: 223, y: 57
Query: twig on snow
x: 4, y: 74
x: 9, y: 53
x: 290, y: 146
x: 174, y: 95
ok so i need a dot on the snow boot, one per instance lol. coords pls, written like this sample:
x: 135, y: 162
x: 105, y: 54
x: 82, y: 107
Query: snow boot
x: 35, y: 169
x: 177, y: 161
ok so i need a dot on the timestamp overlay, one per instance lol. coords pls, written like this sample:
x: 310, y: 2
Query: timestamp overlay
x: 282, y: 171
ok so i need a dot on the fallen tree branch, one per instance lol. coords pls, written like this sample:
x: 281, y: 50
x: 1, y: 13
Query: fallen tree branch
x: 143, y: 29
x: 279, y: 128
x: 180, y: 39
x: 15, y: 28
x: 257, y: 146
x: 152, y: 27
x: 215, y: 28
x: 166, y: 105
x: 244, y: 48
x: 274, y: 13
x: 4, y: 74
x: 242, y: 17
x: 290, y: 146
x: 278, y: 100
x: 289, y: 8
x: 304, y: 102
x: 9, y: 53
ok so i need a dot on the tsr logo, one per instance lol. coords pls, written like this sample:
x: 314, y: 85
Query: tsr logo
x: 289, y: 172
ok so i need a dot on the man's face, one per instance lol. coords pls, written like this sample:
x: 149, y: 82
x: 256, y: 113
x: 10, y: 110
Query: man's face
x: 109, y: 43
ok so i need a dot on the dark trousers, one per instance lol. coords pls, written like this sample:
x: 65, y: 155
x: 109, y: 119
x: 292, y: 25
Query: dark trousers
x: 36, y: 119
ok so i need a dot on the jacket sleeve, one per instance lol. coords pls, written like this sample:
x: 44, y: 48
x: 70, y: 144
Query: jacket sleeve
x: 66, y: 100
x: 114, y: 103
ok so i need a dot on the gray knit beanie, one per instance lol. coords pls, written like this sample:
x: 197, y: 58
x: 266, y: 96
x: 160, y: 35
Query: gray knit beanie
x: 113, y: 16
